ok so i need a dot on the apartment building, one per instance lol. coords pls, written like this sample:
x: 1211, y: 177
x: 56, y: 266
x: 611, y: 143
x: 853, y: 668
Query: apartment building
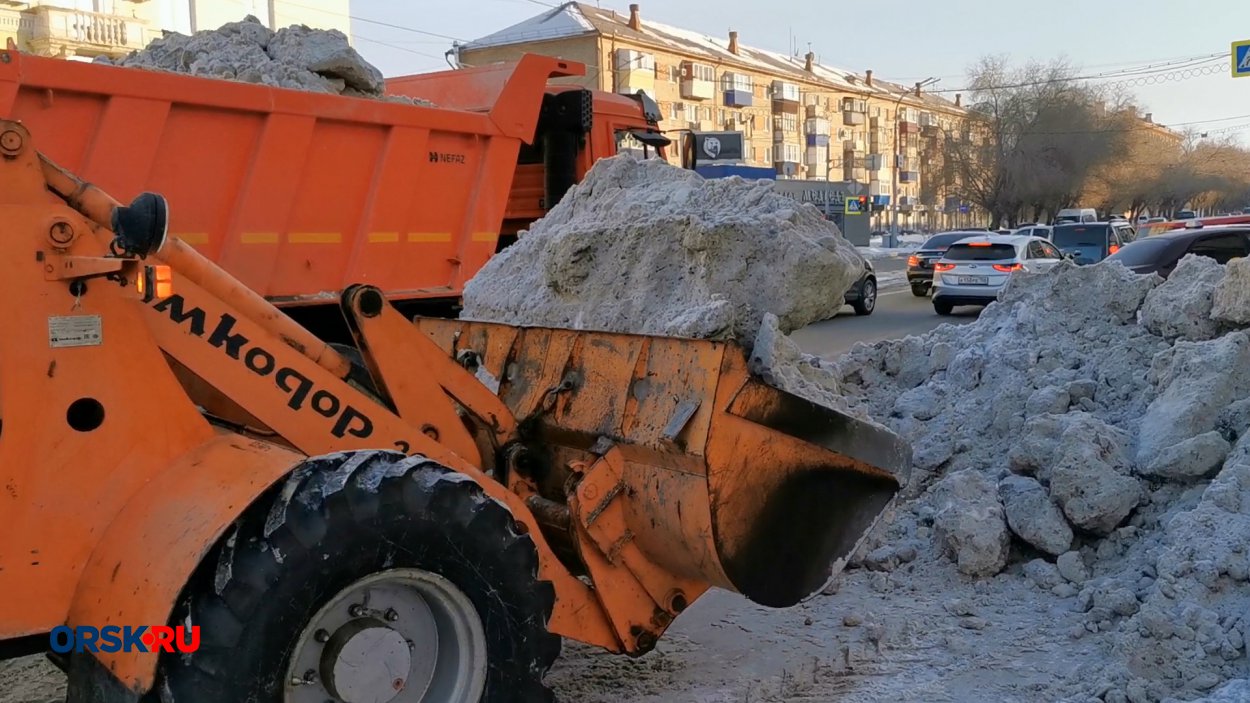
x: 85, y: 29
x: 797, y: 115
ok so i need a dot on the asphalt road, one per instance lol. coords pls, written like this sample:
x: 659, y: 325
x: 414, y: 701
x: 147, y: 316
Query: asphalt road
x: 898, y: 314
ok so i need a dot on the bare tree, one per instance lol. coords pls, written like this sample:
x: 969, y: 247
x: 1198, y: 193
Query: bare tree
x: 1035, y: 136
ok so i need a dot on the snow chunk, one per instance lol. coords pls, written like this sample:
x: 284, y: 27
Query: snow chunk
x: 970, y: 524
x: 1181, y: 306
x: 1231, y: 299
x: 1033, y: 517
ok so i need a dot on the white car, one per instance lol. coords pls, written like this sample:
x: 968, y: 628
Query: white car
x: 973, y: 270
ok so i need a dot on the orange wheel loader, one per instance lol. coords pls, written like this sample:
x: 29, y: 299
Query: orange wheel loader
x: 203, y: 502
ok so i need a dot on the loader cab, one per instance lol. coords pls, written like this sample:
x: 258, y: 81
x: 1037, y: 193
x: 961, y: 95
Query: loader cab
x: 576, y: 128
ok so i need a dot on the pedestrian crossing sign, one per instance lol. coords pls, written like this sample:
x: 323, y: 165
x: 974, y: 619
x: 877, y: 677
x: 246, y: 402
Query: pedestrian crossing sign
x: 855, y: 206
x: 1241, y: 59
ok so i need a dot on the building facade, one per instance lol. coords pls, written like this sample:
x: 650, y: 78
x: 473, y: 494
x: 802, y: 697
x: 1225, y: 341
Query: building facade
x: 85, y: 29
x: 797, y: 115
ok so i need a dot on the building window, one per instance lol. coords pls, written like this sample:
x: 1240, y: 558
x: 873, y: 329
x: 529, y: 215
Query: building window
x: 676, y: 112
x: 692, y: 113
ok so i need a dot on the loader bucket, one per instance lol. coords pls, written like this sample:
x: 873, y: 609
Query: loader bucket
x: 725, y: 479
x: 793, y: 489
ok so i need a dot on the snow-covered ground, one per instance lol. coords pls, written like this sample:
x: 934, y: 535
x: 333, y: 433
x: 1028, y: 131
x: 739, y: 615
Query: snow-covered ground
x: 888, y: 280
x: 906, y: 244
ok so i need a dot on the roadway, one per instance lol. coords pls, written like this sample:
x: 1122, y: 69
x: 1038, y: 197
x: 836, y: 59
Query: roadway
x: 898, y: 314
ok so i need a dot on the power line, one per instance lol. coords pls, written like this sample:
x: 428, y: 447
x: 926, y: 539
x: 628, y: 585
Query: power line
x: 1139, y: 72
x: 379, y: 23
x: 1134, y: 64
x: 399, y: 48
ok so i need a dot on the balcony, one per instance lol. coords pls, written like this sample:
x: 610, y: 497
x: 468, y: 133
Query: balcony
x: 635, y: 71
x: 853, y: 119
x: 817, y: 125
x: 908, y: 176
x: 738, y: 89
x: 821, y: 140
x: 908, y: 128
x: 928, y: 122
x: 785, y: 97
x: 698, y: 81
x: 853, y: 145
x: 55, y: 31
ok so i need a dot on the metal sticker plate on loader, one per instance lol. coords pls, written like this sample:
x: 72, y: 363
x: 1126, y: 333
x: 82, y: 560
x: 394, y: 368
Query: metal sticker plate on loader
x: 75, y: 331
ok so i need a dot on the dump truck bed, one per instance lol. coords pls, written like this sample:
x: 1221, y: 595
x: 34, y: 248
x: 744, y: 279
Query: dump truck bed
x: 299, y: 194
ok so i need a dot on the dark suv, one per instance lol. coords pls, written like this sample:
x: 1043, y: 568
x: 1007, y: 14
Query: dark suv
x: 1091, y: 242
x: 1160, y: 253
x: 920, y: 263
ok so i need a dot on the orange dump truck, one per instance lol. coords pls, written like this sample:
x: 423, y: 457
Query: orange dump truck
x: 300, y: 194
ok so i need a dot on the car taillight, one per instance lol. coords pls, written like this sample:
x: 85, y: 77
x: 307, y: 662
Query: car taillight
x: 1006, y: 268
x: 1113, y: 248
x: 943, y: 267
x: 913, y: 260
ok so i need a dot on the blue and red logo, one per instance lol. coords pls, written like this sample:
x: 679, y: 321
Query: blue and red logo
x: 115, y: 638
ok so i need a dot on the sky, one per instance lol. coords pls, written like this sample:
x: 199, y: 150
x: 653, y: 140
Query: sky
x: 903, y: 40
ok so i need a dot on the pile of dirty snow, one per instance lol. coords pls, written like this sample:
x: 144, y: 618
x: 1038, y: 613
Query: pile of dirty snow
x: 299, y: 57
x: 645, y: 247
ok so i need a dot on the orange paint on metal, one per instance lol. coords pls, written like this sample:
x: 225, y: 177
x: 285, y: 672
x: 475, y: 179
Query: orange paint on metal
x: 259, y: 238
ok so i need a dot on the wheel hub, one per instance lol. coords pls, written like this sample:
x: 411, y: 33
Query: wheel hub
x: 398, y: 636
x: 366, y: 662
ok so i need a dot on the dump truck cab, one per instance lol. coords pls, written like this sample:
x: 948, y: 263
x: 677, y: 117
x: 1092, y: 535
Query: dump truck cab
x: 576, y: 128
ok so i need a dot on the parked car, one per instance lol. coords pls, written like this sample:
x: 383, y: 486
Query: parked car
x: 862, y: 296
x: 1186, y: 215
x: 920, y: 264
x: 1160, y: 253
x: 1076, y: 214
x: 974, y: 270
x: 1092, y: 242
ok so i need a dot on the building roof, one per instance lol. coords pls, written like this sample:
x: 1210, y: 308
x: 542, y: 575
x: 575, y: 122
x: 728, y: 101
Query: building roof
x: 573, y: 19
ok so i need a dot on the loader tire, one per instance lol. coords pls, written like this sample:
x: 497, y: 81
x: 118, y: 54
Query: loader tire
x: 284, y: 588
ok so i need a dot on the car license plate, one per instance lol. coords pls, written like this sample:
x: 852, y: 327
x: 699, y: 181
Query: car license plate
x: 974, y: 280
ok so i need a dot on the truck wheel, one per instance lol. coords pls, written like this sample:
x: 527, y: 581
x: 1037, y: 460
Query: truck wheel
x: 365, y: 575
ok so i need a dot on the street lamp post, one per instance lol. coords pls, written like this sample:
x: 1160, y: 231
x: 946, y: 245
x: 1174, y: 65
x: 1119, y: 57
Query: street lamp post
x: 898, y: 150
